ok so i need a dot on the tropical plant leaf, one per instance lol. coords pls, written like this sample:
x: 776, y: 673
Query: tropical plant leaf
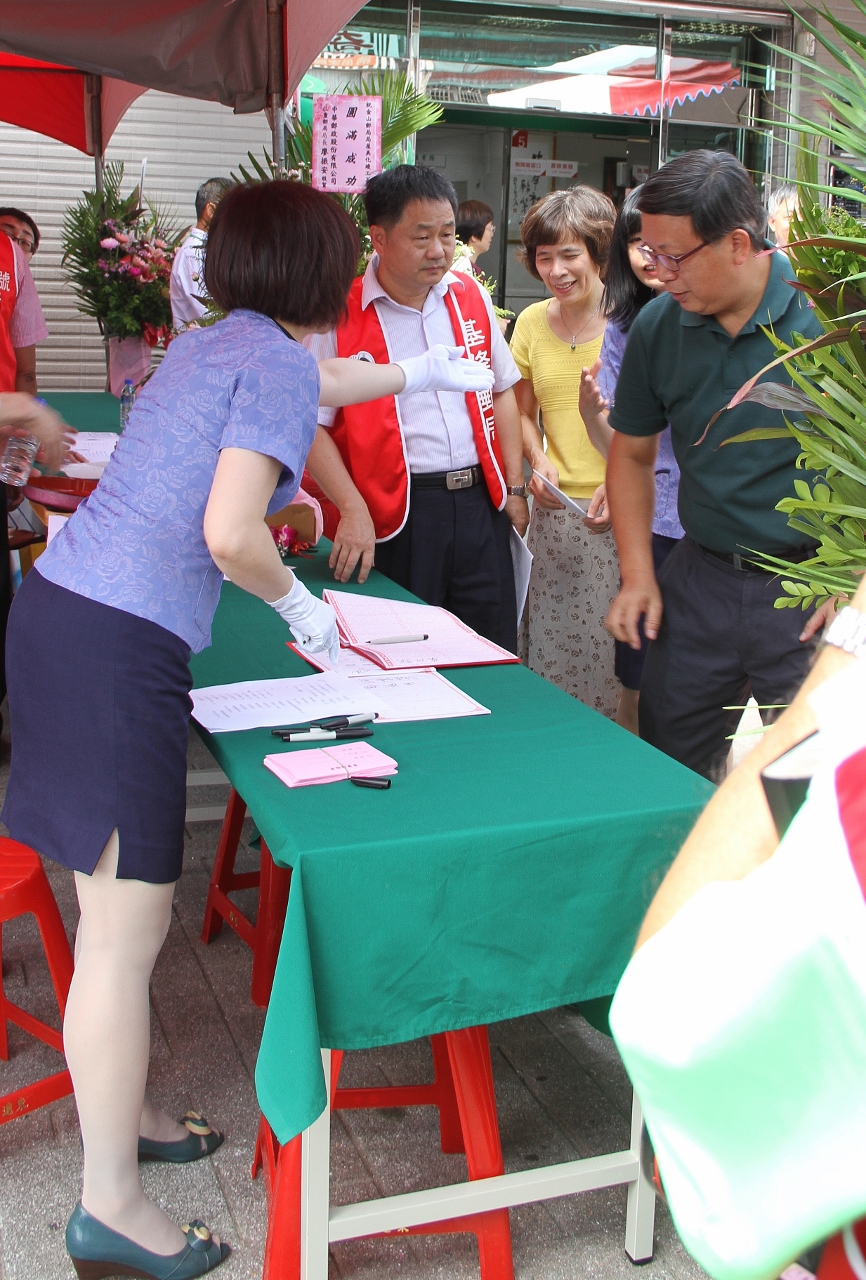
x: 758, y: 433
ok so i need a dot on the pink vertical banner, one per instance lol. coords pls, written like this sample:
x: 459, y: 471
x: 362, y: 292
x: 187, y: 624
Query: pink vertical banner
x: 347, y: 141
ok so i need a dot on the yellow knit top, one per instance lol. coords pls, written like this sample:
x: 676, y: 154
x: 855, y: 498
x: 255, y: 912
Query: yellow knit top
x: 554, y: 371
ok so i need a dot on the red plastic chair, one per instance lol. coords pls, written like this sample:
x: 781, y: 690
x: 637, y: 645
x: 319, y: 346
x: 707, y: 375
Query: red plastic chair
x: 24, y: 888
x: 272, y: 882
x: 463, y: 1092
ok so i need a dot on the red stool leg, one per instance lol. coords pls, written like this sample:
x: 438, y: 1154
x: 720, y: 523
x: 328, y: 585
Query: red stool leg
x: 273, y: 901
x: 4, y: 1037
x: 450, y: 1132
x: 282, y: 1169
x: 224, y: 864
x: 337, y: 1056
x: 469, y: 1051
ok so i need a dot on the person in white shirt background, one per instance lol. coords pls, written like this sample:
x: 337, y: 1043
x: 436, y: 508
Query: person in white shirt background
x: 187, y: 272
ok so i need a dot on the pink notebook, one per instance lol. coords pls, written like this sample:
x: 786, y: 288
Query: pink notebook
x: 314, y: 766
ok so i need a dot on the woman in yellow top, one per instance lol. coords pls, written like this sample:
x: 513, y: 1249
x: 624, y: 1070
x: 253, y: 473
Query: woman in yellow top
x: 575, y: 573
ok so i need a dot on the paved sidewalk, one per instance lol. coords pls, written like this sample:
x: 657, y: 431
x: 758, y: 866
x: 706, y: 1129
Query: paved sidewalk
x: 561, y: 1090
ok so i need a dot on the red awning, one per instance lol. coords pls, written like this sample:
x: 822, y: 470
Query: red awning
x: 57, y: 101
x: 211, y: 49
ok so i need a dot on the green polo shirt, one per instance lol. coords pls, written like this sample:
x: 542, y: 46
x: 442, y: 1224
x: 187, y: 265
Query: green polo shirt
x: 680, y: 368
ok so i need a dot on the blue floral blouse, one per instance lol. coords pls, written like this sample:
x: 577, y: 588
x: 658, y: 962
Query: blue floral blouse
x: 137, y: 543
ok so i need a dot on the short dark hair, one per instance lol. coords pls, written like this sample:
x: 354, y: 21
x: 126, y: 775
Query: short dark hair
x: 284, y: 250
x: 211, y: 192
x: 473, y: 219
x: 9, y: 212
x: 713, y: 189
x: 581, y: 212
x: 389, y: 192
x: 624, y: 294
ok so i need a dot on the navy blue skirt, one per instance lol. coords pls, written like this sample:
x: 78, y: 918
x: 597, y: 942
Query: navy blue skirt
x: 99, y: 705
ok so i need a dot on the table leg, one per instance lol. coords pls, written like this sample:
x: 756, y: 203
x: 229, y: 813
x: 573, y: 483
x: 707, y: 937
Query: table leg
x: 641, y: 1205
x: 316, y: 1188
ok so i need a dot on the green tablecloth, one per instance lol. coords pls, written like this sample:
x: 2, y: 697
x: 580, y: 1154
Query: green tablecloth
x: 86, y: 410
x: 506, y: 871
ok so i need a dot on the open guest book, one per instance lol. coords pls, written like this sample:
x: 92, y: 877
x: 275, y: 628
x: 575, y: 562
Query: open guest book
x: 331, y: 764
x: 398, y: 634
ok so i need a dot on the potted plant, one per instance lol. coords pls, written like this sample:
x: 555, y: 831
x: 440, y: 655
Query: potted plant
x: 117, y: 256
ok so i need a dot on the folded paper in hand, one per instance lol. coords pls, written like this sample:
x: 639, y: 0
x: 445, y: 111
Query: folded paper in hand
x: 330, y: 764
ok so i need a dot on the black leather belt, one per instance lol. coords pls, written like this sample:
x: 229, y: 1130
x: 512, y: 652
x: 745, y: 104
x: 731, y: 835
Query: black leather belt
x: 745, y: 565
x: 464, y: 479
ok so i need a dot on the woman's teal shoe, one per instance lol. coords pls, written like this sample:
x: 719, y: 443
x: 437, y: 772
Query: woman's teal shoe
x: 200, y: 1141
x: 98, y: 1252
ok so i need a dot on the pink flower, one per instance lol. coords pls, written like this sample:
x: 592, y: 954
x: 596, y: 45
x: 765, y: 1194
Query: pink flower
x: 122, y: 237
x: 109, y: 243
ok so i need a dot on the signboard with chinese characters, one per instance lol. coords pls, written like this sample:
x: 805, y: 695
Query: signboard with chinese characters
x: 347, y: 141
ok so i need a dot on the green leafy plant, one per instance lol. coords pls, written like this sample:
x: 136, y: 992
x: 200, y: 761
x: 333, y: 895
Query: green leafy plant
x: 117, y: 256
x: 825, y: 410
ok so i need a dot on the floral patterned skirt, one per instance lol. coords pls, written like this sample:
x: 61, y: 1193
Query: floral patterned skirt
x: 575, y: 576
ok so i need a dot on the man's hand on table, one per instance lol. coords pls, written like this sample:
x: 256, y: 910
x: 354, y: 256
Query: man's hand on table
x: 354, y: 541
x: 643, y: 597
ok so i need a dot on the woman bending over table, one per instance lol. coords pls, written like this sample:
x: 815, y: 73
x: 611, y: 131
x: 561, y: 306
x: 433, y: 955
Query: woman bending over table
x: 575, y: 572
x: 122, y: 596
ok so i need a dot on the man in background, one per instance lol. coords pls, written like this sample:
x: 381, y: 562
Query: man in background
x: 781, y: 207
x: 21, y: 228
x: 187, y: 271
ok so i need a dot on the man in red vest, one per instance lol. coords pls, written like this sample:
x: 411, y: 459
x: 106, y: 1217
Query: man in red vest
x: 430, y: 483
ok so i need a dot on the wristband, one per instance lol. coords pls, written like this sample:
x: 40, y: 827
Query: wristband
x: 848, y: 631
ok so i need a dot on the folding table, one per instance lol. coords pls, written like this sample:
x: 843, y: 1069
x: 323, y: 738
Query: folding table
x: 505, y: 872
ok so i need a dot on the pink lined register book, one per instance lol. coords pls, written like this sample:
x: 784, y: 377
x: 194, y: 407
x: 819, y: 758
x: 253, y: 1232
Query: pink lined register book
x: 318, y: 765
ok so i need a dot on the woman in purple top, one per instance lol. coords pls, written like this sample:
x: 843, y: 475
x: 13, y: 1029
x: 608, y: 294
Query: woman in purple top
x: 99, y: 640
x: 629, y: 285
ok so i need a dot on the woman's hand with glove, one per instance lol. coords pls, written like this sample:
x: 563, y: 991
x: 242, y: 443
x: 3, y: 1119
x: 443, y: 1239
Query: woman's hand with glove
x: 444, y: 369
x: 312, y: 622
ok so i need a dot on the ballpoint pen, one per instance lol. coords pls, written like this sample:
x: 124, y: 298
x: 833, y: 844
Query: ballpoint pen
x: 347, y: 734
x: 329, y: 722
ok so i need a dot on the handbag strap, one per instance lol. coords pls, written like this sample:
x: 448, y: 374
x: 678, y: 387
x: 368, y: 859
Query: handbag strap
x: 851, y: 794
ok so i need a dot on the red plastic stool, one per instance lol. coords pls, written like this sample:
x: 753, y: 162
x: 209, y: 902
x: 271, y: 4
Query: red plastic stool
x: 272, y: 882
x: 24, y: 888
x: 463, y: 1091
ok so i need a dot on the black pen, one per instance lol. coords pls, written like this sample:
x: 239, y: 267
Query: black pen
x: 375, y: 784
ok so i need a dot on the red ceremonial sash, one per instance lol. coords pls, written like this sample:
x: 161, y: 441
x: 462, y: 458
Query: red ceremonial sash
x: 370, y: 436
x: 8, y: 298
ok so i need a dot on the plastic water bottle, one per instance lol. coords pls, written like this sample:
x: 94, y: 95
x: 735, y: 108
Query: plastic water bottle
x: 127, y: 400
x: 17, y: 461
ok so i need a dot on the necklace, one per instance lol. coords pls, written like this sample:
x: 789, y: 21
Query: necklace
x: 575, y: 336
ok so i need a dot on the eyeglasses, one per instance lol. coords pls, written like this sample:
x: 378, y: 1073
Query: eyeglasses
x: 23, y: 242
x: 670, y: 261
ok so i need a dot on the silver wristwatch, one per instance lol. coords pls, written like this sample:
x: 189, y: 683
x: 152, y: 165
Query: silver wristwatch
x: 516, y: 490
x: 848, y: 631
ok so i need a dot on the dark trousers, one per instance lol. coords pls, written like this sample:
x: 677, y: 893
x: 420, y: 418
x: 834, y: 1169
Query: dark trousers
x: 454, y: 551
x: 720, y: 640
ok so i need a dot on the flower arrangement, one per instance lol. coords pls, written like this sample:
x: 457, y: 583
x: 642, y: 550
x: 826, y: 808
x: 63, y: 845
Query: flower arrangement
x: 117, y: 255
x: 288, y: 542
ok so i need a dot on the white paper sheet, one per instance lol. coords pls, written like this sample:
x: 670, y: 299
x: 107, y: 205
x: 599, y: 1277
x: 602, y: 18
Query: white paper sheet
x: 95, y: 446
x: 259, y: 704
x: 417, y: 695
x: 350, y: 664
x: 449, y: 643
x: 521, y: 558
x: 568, y: 503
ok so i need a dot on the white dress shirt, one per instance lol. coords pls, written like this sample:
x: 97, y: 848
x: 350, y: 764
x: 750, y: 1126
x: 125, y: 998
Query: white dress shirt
x: 437, y: 429
x: 187, y: 280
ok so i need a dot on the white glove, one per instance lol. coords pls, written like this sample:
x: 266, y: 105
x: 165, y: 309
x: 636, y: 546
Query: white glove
x: 443, y: 369
x: 312, y: 622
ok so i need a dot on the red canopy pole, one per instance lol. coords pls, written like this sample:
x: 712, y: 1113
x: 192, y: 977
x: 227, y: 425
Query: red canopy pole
x: 277, y: 81
x: 93, y: 89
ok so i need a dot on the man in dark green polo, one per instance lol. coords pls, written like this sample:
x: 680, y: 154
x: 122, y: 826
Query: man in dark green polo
x: 715, y: 634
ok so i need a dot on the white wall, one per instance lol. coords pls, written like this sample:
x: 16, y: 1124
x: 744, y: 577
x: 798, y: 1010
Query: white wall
x: 185, y: 142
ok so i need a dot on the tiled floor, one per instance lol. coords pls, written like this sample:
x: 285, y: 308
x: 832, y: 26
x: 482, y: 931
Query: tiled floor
x: 561, y: 1091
